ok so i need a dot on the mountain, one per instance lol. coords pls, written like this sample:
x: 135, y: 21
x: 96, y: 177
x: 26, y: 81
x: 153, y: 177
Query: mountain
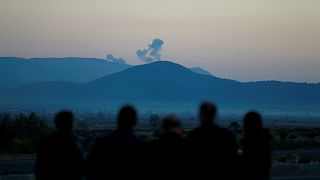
x: 167, y: 81
x: 163, y: 82
x: 19, y: 71
x: 158, y: 81
x: 199, y: 70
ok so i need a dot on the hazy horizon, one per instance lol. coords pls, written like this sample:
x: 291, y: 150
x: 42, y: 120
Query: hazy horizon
x: 247, y: 41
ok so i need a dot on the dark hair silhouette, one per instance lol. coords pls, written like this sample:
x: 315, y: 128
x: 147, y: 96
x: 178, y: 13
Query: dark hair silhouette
x: 252, y: 122
x: 256, y: 156
x: 207, y: 113
x: 172, y: 132
x: 127, y: 118
x: 171, y: 122
x: 64, y: 122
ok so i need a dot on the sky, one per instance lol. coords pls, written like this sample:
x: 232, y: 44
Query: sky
x: 245, y: 40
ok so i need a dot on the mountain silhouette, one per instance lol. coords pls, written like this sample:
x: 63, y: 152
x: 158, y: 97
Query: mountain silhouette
x: 158, y: 81
x: 16, y: 71
x: 162, y: 82
x: 19, y: 71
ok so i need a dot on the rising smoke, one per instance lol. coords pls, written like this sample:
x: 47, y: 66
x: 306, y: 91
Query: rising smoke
x: 152, y: 53
x: 111, y: 58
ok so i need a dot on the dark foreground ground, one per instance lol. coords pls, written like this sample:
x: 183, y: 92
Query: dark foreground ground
x: 30, y: 177
x: 22, y: 168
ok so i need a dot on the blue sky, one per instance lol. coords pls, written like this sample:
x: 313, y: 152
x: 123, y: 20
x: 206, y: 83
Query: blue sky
x: 244, y: 40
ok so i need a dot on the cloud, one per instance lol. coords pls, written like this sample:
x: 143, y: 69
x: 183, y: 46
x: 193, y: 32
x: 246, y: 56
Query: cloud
x: 111, y: 58
x: 152, y: 53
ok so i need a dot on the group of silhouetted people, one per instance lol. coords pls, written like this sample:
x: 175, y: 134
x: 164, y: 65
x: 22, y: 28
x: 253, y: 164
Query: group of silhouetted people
x: 207, y: 152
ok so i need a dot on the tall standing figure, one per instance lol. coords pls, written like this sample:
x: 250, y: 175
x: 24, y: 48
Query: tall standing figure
x: 256, y: 156
x: 117, y: 154
x: 60, y: 155
x: 168, y: 157
x: 212, y: 149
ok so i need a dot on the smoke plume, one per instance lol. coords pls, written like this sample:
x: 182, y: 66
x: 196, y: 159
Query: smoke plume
x: 111, y: 58
x: 152, y: 53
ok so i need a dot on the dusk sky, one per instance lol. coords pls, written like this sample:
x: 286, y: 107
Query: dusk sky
x: 244, y: 40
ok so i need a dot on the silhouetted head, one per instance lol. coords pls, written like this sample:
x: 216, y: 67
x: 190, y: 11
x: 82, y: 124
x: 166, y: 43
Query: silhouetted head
x: 207, y: 113
x: 64, y: 122
x: 171, y: 124
x: 252, y: 122
x: 127, y: 118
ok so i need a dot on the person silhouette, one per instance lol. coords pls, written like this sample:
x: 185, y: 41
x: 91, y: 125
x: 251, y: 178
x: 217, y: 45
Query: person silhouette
x: 164, y: 156
x: 60, y: 155
x: 172, y: 135
x: 116, y: 154
x: 256, y: 156
x: 213, y: 150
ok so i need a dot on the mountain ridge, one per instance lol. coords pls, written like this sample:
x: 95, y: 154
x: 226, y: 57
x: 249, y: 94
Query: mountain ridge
x: 163, y: 82
x: 16, y: 71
